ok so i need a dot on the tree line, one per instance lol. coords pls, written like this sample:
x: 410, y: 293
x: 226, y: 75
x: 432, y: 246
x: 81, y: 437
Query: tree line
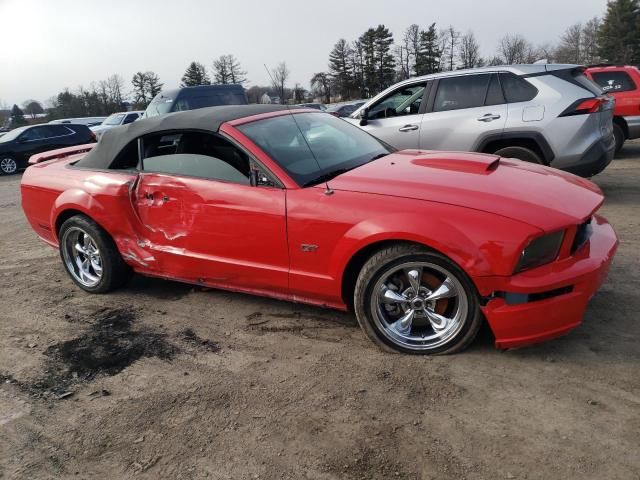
x: 368, y: 64
x: 374, y: 61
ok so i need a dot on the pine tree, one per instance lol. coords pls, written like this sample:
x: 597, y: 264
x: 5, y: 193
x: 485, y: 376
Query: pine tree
x: 618, y: 36
x: 17, y: 116
x: 146, y: 85
x: 385, y: 62
x: 226, y: 69
x: 195, y: 75
x: 428, y: 56
x: 340, y: 68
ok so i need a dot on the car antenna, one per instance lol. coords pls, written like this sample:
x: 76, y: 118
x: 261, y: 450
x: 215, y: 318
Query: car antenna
x: 328, y: 190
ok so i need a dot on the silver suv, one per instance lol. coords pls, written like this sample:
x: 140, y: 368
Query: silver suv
x: 548, y: 114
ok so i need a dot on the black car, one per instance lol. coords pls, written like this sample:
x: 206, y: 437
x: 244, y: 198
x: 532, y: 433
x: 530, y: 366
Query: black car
x: 192, y: 98
x: 344, y: 109
x: 19, y: 144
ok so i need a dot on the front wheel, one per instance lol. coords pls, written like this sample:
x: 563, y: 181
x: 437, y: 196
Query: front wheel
x: 90, y: 256
x: 412, y: 300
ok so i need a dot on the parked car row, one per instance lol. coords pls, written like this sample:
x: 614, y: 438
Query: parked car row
x: 557, y: 115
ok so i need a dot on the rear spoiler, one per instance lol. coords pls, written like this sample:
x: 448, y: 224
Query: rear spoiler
x: 60, y: 153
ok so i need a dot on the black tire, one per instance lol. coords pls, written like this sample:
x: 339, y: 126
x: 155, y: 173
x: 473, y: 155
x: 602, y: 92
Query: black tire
x: 115, y: 272
x: 8, y: 165
x: 618, y: 134
x: 520, y: 153
x: 384, y: 261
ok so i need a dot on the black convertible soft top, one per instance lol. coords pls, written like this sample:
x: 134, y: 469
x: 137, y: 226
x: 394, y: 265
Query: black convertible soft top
x: 114, y: 140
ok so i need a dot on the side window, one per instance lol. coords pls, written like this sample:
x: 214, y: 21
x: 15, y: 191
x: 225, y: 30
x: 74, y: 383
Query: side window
x: 517, y: 89
x: 195, y: 154
x: 612, y: 82
x: 405, y: 101
x: 494, y: 94
x: 35, y: 133
x: 467, y: 91
x: 132, y: 117
x: 59, y: 130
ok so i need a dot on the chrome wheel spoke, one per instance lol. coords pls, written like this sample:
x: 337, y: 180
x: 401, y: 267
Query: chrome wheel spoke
x: 415, y: 278
x: 403, y: 324
x: 438, y: 322
x: 389, y: 296
x: 446, y: 290
x: 80, y: 249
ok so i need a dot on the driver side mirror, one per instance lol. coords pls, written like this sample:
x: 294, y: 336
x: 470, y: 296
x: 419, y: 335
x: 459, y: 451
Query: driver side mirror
x: 364, y: 117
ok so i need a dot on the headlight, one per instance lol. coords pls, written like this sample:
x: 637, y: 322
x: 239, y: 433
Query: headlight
x: 540, y: 250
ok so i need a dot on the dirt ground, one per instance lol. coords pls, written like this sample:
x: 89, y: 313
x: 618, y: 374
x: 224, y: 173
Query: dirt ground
x: 161, y: 380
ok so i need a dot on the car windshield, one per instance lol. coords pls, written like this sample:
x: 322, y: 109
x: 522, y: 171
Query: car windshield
x: 115, y: 119
x: 314, y: 147
x: 12, y: 135
x: 159, y: 106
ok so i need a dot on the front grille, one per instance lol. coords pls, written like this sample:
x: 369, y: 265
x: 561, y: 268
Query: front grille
x: 582, y: 235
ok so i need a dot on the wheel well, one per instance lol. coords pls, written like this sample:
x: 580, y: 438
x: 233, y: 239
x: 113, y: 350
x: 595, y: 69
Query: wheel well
x: 357, y: 261
x: 495, y: 145
x: 623, y: 125
x: 66, y: 215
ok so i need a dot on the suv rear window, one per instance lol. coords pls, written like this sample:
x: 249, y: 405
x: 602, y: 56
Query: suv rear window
x: 517, y: 89
x: 612, y: 82
x: 467, y: 91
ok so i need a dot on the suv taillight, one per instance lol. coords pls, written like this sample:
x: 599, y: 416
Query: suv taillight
x: 585, y: 106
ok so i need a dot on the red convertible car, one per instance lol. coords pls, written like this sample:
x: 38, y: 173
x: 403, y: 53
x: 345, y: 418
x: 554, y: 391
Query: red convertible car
x: 299, y: 205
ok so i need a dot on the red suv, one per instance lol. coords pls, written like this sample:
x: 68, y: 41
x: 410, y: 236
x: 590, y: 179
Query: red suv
x: 623, y: 83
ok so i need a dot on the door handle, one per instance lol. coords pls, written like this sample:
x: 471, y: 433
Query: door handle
x: 408, y: 128
x: 489, y: 117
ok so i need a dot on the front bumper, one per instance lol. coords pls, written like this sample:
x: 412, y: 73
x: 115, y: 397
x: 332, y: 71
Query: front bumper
x: 595, y: 159
x: 557, y: 293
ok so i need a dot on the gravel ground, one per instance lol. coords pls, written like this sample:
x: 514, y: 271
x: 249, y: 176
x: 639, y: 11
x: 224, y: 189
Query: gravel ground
x: 163, y: 380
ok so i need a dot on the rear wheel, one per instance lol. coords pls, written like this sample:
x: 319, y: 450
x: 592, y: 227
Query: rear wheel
x: 90, y: 256
x: 411, y: 300
x: 8, y: 165
x: 618, y: 134
x: 520, y: 153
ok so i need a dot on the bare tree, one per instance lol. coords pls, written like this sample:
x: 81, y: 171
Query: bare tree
x: 513, y: 49
x: 590, y: 45
x: 469, y: 51
x: 321, y: 83
x: 452, y: 40
x: 570, y: 48
x: 115, y: 86
x: 280, y: 76
x: 407, y: 52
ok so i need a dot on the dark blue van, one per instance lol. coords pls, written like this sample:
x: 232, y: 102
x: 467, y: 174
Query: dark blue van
x: 191, y: 98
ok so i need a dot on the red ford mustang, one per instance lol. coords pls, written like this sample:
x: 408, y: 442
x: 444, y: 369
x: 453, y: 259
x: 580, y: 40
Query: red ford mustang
x: 302, y: 206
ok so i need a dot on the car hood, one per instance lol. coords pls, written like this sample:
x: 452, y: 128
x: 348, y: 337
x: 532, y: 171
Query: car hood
x: 101, y: 128
x: 540, y: 196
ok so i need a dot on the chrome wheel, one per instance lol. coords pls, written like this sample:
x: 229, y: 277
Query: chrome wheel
x: 8, y: 165
x: 419, y: 305
x: 82, y: 256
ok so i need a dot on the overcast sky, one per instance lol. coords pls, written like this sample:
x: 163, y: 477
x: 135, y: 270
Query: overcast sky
x: 52, y: 44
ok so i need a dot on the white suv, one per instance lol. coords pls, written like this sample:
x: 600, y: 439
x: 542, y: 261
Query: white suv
x: 548, y: 114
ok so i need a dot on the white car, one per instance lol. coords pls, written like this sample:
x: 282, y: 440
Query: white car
x: 115, y: 120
